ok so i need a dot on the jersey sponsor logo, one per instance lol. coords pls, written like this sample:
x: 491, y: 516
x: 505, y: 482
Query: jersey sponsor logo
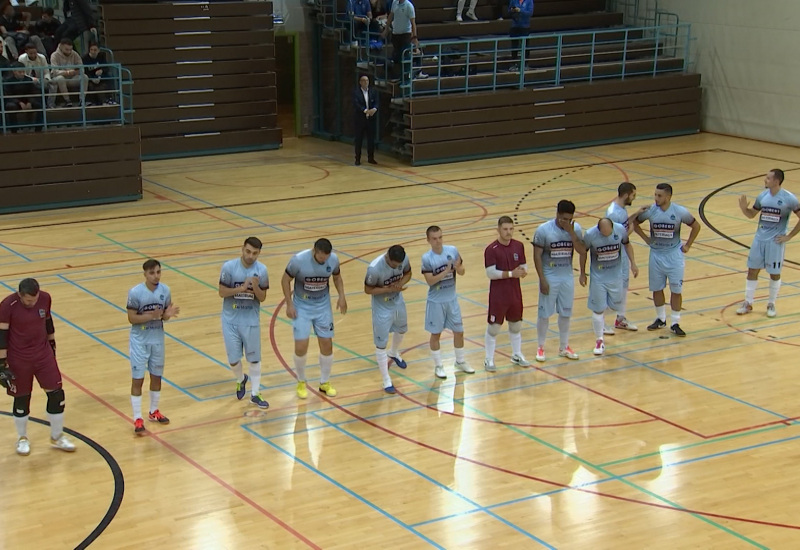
x: 315, y: 284
x: 148, y: 307
x: 391, y: 280
x: 42, y: 313
x: 607, y: 253
x: 664, y: 230
x: 561, y: 249
x: 770, y: 215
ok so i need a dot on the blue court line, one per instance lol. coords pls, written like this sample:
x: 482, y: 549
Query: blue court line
x: 15, y: 253
x: 341, y: 486
x: 434, y: 482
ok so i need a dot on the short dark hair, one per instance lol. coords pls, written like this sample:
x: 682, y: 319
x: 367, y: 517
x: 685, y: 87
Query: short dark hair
x: 66, y: 41
x: 151, y: 264
x: 255, y: 242
x: 30, y: 46
x: 504, y: 219
x: 565, y: 207
x: 432, y: 229
x: 28, y: 287
x: 323, y: 245
x: 397, y: 253
x: 92, y: 42
x: 625, y: 188
x: 17, y: 65
x: 778, y: 173
x: 48, y: 11
x: 665, y: 187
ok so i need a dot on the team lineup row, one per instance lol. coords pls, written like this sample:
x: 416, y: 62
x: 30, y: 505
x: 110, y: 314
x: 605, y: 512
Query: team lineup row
x: 27, y: 341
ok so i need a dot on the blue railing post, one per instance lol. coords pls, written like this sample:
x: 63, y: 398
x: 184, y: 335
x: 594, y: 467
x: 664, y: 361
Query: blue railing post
x: 591, y: 57
x: 558, y: 59
x: 624, y: 53
x: 686, y: 48
x: 655, y: 54
x: 466, y: 70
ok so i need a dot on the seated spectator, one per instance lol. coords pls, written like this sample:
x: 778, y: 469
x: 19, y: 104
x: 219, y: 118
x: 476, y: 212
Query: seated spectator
x: 71, y: 76
x: 21, y: 95
x: 46, y: 29
x: 361, y: 15
x: 37, y: 68
x: 79, y: 19
x: 520, y: 12
x: 98, y: 75
x: 379, y: 14
x: 15, y: 31
x: 470, y: 11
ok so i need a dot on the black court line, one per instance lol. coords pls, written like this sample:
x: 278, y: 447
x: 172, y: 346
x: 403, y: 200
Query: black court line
x: 119, y: 483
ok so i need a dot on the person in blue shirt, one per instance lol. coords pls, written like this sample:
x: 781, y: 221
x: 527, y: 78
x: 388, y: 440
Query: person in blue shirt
x: 775, y: 205
x: 361, y: 14
x: 520, y: 12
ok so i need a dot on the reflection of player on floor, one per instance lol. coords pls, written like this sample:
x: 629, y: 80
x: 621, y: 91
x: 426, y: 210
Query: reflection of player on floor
x: 605, y: 243
x: 666, y: 254
x: 440, y: 265
x: 310, y: 305
x: 617, y: 213
x: 505, y: 264
x: 243, y: 285
x: 149, y: 305
x: 775, y: 205
x: 386, y: 280
x: 554, y: 244
x: 28, y: 350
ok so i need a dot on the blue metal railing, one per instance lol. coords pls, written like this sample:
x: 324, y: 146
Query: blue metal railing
x: 109, y: 101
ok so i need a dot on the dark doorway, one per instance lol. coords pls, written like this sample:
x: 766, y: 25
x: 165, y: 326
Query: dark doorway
x: 285, y: 56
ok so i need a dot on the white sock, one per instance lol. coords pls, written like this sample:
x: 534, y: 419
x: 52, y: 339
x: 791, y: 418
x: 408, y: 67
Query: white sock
x: 623, y: 305
x: 155, y: 397
x: 255, y: 378
x: 516, y: 342
x: 325, y: 367
x: 750, y: 290
x: 541, y: 330
x: 56, y: 424
x: 661, y: 312
x: 136, y: 403
x: 383, y: 366
x: 437, y: 357
x: 237, y: 371
x: 300, y: 367
x: 21, y: 422
x: 675, y: 318
x: 489, y: 342
x: 397, y: 339
x: 598, y: 322
x: 563, y: 331
x: 774, y: 287
x: 459, y: 355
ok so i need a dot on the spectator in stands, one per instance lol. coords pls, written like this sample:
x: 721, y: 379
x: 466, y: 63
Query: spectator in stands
x: 379, y: 14
x: 79, y: 19
x: 470, y: 13
x: 15, y: 31
x: 365, y: 105
x: 402, y: 23
x: 71, y: 76
x: 98, y: 74
x: 37, y: 68
x: 520, y: 12
x: 361, y: 14
x: 21, y: 94
x: 46, y: 29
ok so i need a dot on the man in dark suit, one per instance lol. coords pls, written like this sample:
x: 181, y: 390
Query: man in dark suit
x: 365, y: 105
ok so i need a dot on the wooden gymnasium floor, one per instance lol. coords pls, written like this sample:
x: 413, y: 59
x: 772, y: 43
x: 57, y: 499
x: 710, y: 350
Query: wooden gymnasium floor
x: 662, y: 443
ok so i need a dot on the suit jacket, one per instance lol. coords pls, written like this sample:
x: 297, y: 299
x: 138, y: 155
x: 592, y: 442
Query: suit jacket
x: 359, y: 105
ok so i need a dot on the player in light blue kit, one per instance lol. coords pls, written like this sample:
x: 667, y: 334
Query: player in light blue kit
x: 243, y: 285
x: 387, y: 276
x: 605, y: 243
x: 440, y: 266
x: 310, y: 305
x: 666, y: 254
x: 149, y: 305
x: 776, y: 206
x: 554, y: 244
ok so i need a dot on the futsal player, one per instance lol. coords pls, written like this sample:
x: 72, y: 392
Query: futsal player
x: 440, y: 267
x: 28, y: 350
x: 387, y: 276
x: 243, y: 285
x: 149, y: 305
x: 310, y: 305
x: 605, y: 243
x: 554, y: 244
x: 505, y: 264
x: 775, y: 205
x: 667, y: 254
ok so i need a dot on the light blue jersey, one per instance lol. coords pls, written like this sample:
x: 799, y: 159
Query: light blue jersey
x: 775, y: 212
x: 606, y: 253
x: 558, y: 248
x: 618, y: 214
x: 141, y: 300
x: 381, y: 274
x: 444, y: 290
x: 665, y: 226
x: 242, y: 309
x: 312, y: 279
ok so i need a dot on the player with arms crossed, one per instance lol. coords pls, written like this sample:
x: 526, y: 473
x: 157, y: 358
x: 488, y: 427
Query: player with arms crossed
x: 775, y: 205
x: 554, y: 244
x: 28, y: 350
x: 440, y: 266
x: 387, y: 276
x: 505, y: 264
x: 149, y: 305
x: 243, y: 285
x: 605, y: 242
x: 666, y: 254
x: 310, y: 305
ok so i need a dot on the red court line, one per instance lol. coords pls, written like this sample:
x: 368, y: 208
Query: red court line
x: 785, y: 421
x: 189, y: 208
